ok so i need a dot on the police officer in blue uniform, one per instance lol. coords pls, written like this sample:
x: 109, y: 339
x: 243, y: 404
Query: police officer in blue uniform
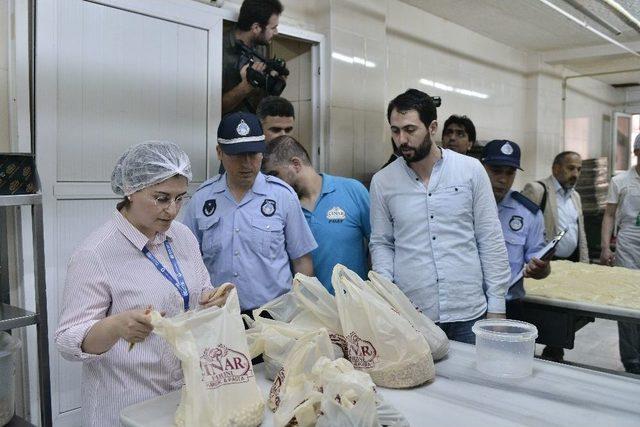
x: 250, y: 226
x: 521, y: 220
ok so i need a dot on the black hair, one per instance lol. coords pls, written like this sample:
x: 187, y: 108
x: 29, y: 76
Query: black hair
x: 283, y: 148
x: 259, y: 11
x: 560, y: 157
x: 414, y: 99
x: 274, y: 106
x: 463, y: 121
x: 124, y: 203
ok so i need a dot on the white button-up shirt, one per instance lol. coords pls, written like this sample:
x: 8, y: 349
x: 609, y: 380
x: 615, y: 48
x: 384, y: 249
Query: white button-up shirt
x: 567, y: 219
x: 109, y: 274
x: 443, y: 244
x: 624, y: 191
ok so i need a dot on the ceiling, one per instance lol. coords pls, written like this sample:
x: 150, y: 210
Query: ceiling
x: 533, y: 26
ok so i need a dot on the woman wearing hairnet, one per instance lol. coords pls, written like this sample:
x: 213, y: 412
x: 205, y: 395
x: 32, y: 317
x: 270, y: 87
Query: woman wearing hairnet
x: 138, y: 260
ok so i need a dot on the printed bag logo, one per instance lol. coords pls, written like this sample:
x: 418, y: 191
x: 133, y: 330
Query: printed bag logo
x: 362, y: 354
x: 274, y: 392
x: 339, y: 340
x: 221, y: 366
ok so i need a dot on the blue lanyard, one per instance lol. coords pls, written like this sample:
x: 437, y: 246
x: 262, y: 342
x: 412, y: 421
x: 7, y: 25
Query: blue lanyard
x: 179, y: 284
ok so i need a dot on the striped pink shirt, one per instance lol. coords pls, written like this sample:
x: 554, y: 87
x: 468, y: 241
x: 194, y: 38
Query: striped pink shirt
x: 109, y: 274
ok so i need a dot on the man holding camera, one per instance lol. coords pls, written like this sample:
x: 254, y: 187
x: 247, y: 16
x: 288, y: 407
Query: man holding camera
x: 434, y: 225
x: 246, y: 78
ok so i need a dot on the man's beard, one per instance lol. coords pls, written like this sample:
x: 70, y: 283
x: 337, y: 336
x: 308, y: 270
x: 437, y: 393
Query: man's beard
x: 417, y: 154
x: 261, y: 39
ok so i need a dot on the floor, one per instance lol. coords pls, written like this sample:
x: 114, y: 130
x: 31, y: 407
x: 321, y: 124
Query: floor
x: 596, y: 345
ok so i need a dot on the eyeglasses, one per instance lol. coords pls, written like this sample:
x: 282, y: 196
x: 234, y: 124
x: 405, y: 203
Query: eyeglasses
x: 164, y: 202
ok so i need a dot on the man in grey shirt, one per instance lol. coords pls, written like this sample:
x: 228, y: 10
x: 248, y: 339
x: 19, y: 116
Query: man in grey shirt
x: 434, y: 225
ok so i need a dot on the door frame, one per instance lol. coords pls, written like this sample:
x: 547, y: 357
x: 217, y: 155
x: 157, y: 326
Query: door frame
x: 44, y: 109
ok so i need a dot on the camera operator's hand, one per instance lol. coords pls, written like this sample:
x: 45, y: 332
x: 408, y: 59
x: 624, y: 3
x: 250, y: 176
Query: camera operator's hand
x: 258, y: 66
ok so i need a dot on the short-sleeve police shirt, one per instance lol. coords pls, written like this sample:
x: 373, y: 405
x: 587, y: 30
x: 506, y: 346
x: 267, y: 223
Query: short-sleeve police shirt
x: 252, y: 242
x: 523, y: 235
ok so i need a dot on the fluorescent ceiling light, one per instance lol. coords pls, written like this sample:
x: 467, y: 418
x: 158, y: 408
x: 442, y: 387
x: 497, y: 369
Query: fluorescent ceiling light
x: 458, y: 90
x: 588, y: 27
x: 352, y: 60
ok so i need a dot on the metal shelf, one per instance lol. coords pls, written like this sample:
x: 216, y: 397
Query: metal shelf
x: 21, y: 199
x: 16, y: 421
x: 15, y: 317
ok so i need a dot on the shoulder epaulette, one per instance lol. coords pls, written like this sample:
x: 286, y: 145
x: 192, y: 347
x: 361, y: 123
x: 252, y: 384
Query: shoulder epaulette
x: 209, y: 182
x: 526, y: 202
x: 278, y: 181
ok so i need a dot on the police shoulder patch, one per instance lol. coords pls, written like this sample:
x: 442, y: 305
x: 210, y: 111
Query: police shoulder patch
x: 526, y: 202
x: 209, y: 207
x: 516, y: 223
x: 268, y: 207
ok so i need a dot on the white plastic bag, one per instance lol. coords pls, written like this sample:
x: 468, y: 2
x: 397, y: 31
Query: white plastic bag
x: 306, y: 308
x: 437, y: 339
x: 295, y: 381
x: 220, y: 387
x: 380, y: 340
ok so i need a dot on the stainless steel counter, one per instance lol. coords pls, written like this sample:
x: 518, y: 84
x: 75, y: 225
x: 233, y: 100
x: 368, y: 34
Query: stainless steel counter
x: 461, y: 396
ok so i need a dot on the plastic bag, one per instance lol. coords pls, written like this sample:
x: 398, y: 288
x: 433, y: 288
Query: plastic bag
x: 380, y: 340
x: 295, y: 381
x: 306, y: 308
x: 437, y: 339
x: 220, y: 387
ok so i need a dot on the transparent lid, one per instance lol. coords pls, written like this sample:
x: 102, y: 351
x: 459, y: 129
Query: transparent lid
x: 505, y: 330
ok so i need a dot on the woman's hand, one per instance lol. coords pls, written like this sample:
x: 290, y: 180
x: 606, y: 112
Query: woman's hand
x: 133, y: 325
x: 217, y: 297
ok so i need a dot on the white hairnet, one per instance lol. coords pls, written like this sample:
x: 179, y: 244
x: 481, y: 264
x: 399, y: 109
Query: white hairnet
x: 147, y: 164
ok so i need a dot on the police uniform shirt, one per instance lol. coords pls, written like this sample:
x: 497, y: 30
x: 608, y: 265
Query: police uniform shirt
x: 523, y: 227
x: 250, y: 243
x: 340, y: 224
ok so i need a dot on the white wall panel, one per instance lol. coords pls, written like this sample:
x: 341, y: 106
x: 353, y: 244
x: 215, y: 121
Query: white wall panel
x: 76, y: 220
x: 124, y: 78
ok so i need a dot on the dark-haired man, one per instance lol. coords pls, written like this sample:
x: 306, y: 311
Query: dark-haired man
x: 434, y: 224
x: 521, y: 219
x: 277, y: 117
x: 249, y: 226
x: 336, y: 208
x: 257, y: 25
x: 562, y: 210
x: 562, y: 207
x: 458, y: 134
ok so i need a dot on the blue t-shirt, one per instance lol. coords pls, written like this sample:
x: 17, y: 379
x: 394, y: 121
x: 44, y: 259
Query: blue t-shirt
x: 340, y: 225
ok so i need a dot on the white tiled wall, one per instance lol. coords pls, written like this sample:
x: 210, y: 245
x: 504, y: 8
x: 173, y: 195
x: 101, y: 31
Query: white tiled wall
x: 403, y: 44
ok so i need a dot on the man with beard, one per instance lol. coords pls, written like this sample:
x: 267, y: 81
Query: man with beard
x: 257, y: 25
x: 250, y: 226
x: 336, y: 208
x: 277, y: 117
x: 562, y: 207
x: 562, y: 210
x: 434, y: 225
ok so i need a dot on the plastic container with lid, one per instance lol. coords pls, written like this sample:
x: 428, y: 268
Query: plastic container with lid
x: 9, y: 346
x: 505, y: 348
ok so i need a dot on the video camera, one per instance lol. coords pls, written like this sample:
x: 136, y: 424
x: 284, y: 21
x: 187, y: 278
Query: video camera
x: 272, y: 78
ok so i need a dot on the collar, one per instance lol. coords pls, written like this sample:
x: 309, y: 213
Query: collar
x: 136, y: 237
x: 328, y: 184
x: 260, y: 185
x: 413, y: 173
x: 559, y: 188
x: 508, y: 202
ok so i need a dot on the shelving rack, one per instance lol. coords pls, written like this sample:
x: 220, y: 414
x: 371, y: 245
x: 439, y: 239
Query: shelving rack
x: 15, y: 317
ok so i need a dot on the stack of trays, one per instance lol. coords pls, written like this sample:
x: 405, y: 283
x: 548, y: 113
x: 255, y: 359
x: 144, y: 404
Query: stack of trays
x: 593, y: 185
